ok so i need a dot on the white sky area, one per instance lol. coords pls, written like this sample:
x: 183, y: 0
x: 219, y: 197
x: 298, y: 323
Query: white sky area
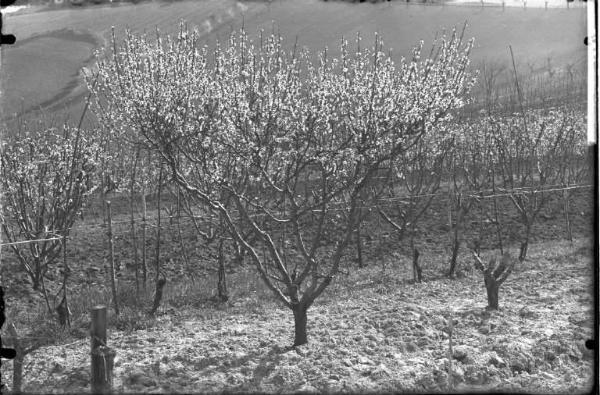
x: 13, y: 8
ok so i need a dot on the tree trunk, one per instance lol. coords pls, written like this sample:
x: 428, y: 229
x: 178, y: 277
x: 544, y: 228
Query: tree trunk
x: 496, y: 213
x: 36, y: 275
x: 300, y: 319
x: 498, y: 228
x: 45, y: 293
x: 134, y: 246
x: 17, y: 373
x: 492, y: 288
x: 359, y: 248
x: 67, y: 270
x: 524, y: 244
x: 222, y: 284
x: 35, y: 282
x: 567, y: 218
x: 144, y: 266
x: 103, y: 192
x: 461, y: 213
x: 158, y: 294
x: 416, y: 268
x: 158, y: 203
x: 455, y: 249
x: 523, y: 250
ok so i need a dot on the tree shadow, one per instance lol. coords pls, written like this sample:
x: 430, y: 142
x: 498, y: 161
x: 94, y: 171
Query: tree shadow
x: 266, y: 364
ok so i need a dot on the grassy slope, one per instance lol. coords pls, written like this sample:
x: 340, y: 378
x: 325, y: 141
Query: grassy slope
x: 367, y: 333
x: 50, y: 75
x: 535, y: 34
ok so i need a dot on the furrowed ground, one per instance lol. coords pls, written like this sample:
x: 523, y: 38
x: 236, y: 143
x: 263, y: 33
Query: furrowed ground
x: 373, y: 330
x: 369, y: 333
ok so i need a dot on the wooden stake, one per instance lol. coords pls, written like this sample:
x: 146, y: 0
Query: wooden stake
x: 112, y: 259
x: 157, y: 263
x: 18, y: 360
x: 567, y: 218
x: 102, y: 356
x: 144, y: 266
x: 132, y: 221
x: 98, y: 331
x: 359, y: 248
x: 450, y: 353
x: 180, y: 234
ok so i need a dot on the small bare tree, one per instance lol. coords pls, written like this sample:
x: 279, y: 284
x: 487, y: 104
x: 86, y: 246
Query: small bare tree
x: 210, y: 229
x: 494, y: 275
x: 528, y: 151
x: 471, y: 174
x: 572, y: 161
x: 413, y: 184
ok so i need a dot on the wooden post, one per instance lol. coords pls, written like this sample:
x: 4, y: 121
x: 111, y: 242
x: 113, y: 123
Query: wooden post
x: 103, y: 193
x: 450, y: 203
x: 567, y: 219
x: 18, y: 360
x: 63, y: 311
x: 132, y: 222
x: 450, y: 353
x: 98, y: 333
x: 222, y: 281
x: 112, y: 260
x: 144, y: 267
x: 359, y: 248
x: 181, y: 243
x: 102, y: 356
x: 157, y: 262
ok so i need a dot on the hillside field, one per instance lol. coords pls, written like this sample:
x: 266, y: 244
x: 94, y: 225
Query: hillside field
x: 376, y: 327
x: 373, y: 329
x: 369, y: 332
x: 43, y: 70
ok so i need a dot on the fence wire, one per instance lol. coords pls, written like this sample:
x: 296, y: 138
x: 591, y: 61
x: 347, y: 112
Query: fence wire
x: 152, y: 221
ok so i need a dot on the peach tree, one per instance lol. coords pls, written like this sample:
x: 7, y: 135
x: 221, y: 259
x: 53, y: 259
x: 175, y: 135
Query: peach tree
x: 281, y: 144
x: 534, y: 151
x: 47, y: 175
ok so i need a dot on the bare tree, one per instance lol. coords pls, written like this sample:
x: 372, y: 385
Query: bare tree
x: 471, y: 173
x: 413, y: 184
x: 528, y: 151
x: 494, y: 275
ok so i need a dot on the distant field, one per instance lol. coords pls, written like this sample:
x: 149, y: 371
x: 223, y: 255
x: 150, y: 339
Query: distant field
x: 43, y: 69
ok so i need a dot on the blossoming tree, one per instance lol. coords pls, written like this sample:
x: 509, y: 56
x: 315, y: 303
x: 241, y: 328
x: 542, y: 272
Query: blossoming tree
x: 280, y: 144
x: 46, y: 177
